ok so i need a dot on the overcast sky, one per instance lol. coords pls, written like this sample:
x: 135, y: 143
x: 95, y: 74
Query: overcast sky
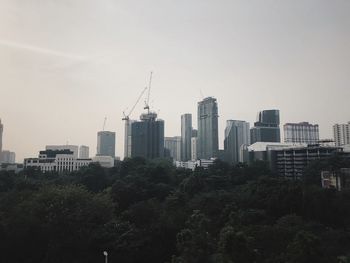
x: 66, y: 64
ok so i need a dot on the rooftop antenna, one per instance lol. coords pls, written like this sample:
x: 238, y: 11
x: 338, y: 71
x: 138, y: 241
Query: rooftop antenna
x: 200, y: 91
x: 104, y: 124
x: 149, y: 93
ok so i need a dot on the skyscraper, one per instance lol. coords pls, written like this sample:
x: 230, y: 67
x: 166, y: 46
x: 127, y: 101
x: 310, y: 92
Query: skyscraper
x: 341, y: 134
x: 267, y: 127
x: 127, y: 138
x: 83, y: 152
x: 1, y: 132
x: 302, y: 132
x: 172, y: 147
x: 106, y: 143
x: 236, y: 138
x: 186, y: 135
x: 147, y: 137
x: 208, y: 138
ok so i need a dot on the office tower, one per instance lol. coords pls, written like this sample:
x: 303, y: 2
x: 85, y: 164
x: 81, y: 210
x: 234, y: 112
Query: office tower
x: 267, y: 127
x: 302, y: 132
x: 147, y: 137
x: 106, y: 143
x: 83, y: 152
x: 194, y: 149
x: 208, y: 138
x: 194, y: 133
x: 127, y: 138
x: 73, y: 148
x: 237, y: 138
x: 1, y: 132
x: 7, y: 157
x: 186, y: 135
x: 341, y: 134
x: 172, y: 147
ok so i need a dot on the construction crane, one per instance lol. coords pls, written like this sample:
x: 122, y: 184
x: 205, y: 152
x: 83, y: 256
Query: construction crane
x: 104, y: 124
x: 149, y: 93
x: 126, y: 116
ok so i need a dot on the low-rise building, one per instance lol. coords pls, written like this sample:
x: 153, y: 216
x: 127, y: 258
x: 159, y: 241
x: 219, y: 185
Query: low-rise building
x: 336, y: 179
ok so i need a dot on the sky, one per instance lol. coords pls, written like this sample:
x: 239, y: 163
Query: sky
x: 66, y: 65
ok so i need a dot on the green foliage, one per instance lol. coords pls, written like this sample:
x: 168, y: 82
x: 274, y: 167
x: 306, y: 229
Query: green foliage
x: 149, y: 211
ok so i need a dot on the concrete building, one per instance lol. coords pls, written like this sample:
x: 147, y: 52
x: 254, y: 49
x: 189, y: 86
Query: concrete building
x: 194, y: 164
x: 186, y: 135
x: 1, y: 133
x: 104, y: 161
x: 60, y: 161
x: 194, y: 141
x: 84, y: 152
x: 7, y: 157
x: 267, y: 127
x: 73, y: 148
x: 172, y: 146
x: 106, y: 144
x: 339, y: 179
x: 341, y: 133
x: 208, y: 137
x: 127, y: 138
x: 237, y: 138
x: 147, y: 137
x: 302, y: 132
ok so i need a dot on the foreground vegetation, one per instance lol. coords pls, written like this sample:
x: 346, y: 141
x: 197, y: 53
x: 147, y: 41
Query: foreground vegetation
x: 143, y: 211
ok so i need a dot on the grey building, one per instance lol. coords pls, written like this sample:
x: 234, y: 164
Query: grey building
x: 172, y: 147
x: 106, y: 143
x: 147, y: 137
x: 84, y: 152
x: 302, y: 132
x: 208, y: 137
x: 186, y: 135
x: 7, y: 157
x: 127, y: 138
x: 341, y: 134
x: 237, y: 138
x: 1, y: 132
x: 267, y: 127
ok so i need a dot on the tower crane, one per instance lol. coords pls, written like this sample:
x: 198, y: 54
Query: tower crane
x: 104, y: 124
x: 149, y: 93
x: 126, y: 116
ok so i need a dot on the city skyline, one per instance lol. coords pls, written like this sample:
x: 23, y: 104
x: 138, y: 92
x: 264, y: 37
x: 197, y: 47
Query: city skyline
x: 60, y: 79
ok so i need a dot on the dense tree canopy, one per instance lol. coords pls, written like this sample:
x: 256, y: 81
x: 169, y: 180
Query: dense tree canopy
x: 149, y: 211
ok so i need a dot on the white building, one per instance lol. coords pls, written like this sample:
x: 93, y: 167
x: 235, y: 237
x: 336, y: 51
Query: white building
x: 341, y: 134
x: 172, y: 147
x: 302, y: 132
x: 104, y: 161
x: 84, y: 152
x: 193, y: 164
x: 60, y: 161
x: 194, y: 148
x: 73, y: 148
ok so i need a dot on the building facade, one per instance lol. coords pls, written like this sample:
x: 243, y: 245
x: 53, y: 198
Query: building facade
x: 127, y: 138
x: 237, y: 137
x: 72, y: 148
x: 58, y: 161
x: 84, y: 152
x: 341, y: 133
x: 267, y: 127
x: 147, y: 137
x: 7, y: 157
x: 172, y: 147
x: 302, y: 132
x: 208, y: 136
x: 194, y: 142
x: 186, y: 135
x: 106, y: 144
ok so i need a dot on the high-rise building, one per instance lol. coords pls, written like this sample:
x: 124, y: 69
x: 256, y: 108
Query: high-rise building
x: 341, y: 134
x: 172, y: 147
x: 302, y: 132
x: 1, y: 132
x: 7, y: 157
x: 84, y: 152
x: 186, y: 135
x: 127, y: 138
x: 267, y: 127
x: 208, y: 137
x: 147, y: 137
x: 194, y: 149
x: 106, y: 143
x: 237, y: 137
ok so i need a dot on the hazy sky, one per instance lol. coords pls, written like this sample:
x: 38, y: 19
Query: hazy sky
x: 66, y: 64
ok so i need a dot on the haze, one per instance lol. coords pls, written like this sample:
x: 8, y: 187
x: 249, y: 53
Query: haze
x: 65, y: 65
